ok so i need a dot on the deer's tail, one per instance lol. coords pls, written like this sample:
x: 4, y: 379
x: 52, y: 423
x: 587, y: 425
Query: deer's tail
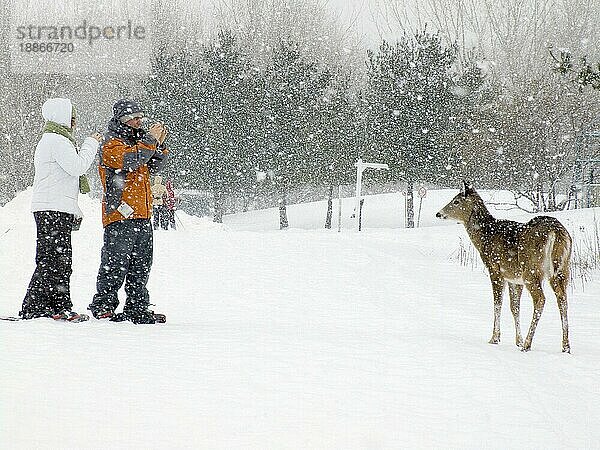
x: 557, y: 253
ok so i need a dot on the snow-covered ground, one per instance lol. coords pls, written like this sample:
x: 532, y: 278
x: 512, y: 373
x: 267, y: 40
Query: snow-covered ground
x: 306, y: 338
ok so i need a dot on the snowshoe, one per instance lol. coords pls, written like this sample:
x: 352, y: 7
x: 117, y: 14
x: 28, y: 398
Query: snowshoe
x: 104, y: 315
x: 160, y: 318
x: 140, y: 317
x: 118, y: 317
x: 34, y: 314
x: 70, y: 316
x: 11, y: 318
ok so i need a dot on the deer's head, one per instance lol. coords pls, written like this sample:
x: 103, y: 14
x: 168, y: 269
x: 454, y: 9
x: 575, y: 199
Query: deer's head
x: 461, y: 207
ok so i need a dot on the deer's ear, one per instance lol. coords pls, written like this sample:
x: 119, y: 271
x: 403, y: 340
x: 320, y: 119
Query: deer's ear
x: 464, y: 188
x: 467, y: 188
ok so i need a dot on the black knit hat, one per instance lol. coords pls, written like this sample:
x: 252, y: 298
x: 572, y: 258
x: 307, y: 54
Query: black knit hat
x: 125, y: 110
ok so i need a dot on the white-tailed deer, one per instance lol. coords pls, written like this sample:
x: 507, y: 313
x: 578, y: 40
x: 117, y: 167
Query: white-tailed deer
x: 520, y: 254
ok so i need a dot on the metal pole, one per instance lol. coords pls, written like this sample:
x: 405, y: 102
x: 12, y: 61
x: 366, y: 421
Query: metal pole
x: 406, y: 209
x: 178, y: 219
x: 359, y: 171
x: 339, y: 208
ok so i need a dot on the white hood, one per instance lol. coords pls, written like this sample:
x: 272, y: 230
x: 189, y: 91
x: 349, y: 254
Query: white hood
x: 58, y: 110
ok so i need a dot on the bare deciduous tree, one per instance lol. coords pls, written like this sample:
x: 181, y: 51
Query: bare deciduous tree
x: 311, y: 23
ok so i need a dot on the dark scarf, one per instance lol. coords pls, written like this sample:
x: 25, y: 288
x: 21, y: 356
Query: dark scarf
x: 125, y: 132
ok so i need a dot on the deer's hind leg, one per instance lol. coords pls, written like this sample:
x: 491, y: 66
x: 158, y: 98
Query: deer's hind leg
x: 537, y: 294
x: 498, y: 289
x: 559, y: 286
x: 515, y: 291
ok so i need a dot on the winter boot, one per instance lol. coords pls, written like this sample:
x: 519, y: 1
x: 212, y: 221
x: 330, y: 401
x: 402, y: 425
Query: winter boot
x: 101, y: 312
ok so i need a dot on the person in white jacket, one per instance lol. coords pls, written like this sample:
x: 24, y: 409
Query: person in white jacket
x: 58, y: 167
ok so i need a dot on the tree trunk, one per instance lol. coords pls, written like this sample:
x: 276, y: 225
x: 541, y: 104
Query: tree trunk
x: 329, y: 208
x: 541, y: 202
x: 219, y: 198
x: 552, y: 198
x: 283, y: 220
x: 246, y: 203
x: 410, y: 208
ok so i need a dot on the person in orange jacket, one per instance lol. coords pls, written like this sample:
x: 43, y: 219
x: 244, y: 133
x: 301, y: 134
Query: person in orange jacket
x: 128, y: 156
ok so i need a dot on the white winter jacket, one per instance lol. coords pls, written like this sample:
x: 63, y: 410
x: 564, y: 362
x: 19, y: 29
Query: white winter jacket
x: 58, y: 165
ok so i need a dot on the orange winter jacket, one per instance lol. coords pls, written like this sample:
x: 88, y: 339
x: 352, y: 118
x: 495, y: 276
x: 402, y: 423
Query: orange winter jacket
x: 125, y: 168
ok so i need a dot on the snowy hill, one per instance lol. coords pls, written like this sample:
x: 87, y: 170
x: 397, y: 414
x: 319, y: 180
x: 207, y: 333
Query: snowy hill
x: 307, y: 338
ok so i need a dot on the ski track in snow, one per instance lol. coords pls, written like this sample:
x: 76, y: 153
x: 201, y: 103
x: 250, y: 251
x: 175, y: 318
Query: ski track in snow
x: 299, y: 339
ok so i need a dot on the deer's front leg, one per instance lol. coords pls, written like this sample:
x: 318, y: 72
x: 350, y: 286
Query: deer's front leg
x: 497, y: 288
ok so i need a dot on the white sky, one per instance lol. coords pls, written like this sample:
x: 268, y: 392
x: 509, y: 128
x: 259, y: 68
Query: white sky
x: 362, y: 15
x: 369, y: 16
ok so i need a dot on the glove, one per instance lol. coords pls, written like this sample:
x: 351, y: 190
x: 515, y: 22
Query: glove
x: 163, y: 135
x: 76, y: 223
x: 157, y: 130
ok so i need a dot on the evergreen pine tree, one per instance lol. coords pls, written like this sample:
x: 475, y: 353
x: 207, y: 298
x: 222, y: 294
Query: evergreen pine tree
x: 292, y: 90
x: 408, y: 101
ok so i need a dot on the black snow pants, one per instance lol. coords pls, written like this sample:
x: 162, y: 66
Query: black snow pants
x: 161, y: 217
x: 156, y: 216
x: 126, y: 257
x: 49, y: 289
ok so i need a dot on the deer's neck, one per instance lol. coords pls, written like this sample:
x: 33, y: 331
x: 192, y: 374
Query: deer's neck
x: 478, y: 225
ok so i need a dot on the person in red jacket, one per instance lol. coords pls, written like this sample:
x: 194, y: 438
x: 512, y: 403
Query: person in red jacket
x: 128, y: 156
x: 170, y: 203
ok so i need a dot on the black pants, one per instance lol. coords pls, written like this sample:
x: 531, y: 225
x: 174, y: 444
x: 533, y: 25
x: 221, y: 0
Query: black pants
x: 171, y: 213
x: 161, y: 217
x: 156, y: 216
x: 49, y: 289
x: 126, y: 257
